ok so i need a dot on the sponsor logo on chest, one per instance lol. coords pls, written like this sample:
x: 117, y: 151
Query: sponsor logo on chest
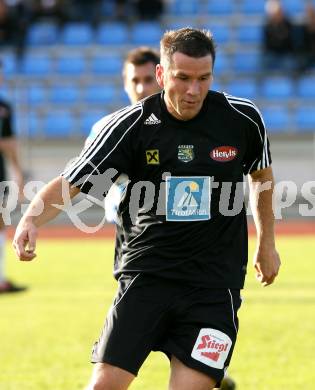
x: 223, y: 153
x: 187, y: 198
x: 185, y: 153
x: 152, y: 156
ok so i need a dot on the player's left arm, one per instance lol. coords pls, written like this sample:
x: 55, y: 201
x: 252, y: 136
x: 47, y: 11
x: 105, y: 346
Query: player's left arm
x: 266, y: 258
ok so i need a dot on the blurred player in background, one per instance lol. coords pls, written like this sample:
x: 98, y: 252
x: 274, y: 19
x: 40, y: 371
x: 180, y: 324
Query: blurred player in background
x: 8, y: 151
x: 139, y: 82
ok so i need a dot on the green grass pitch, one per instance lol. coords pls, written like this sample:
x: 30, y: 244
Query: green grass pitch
x: 46, y: 334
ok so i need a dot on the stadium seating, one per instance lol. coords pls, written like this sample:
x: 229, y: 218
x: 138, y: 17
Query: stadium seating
x: 37, y: 94
x: 106, y: 65
x: 294, y: 7
x: 29, y: 124
x: 243, y: 88
x: 64, y: 94
x: 112, y: 33
x: 305, y: 118
x: 182, y: 7
x: 280, y: 87
x: 71, y: 64
x: 250, y: 7
x: 306, y: 87
x: 59, y: 124
x: 37, y: 65
x: 245, y: 62
x: 221, y: 32
x: 99, y: 94
x: 249, y: 33
x: 221, y: 7
x: 9, y: 64
x: 80, y: 67
x: 277, y: 118
x: 146, y: 33
x: 77, y: 34
x: 5, y: 93
x: 42, y: 33
x: 222, y: 64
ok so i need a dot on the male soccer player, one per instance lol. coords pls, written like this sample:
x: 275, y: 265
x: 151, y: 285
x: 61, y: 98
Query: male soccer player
x: 8, y: 150
x: 139, y: 83
x: 184, y: 256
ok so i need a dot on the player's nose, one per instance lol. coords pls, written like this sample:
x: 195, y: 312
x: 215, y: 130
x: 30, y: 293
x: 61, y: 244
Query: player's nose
x: 193, y: 88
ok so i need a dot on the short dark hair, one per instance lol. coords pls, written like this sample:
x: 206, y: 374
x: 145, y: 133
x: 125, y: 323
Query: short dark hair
x: 142, y: 55
x: 190, y: 41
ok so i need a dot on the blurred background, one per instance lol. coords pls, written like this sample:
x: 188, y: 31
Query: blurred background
x: 62, y: 63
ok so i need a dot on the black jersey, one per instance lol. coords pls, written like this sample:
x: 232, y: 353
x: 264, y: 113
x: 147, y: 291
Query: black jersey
x: 5, y: 131
x: 190, y: 173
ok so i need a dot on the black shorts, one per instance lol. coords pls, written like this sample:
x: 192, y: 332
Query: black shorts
x: 197, y: 325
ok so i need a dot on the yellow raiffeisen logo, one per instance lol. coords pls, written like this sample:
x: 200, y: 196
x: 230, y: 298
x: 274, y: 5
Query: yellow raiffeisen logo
x: 152, y: 156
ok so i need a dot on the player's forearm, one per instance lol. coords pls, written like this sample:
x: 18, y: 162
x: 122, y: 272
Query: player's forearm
x: 43, y: 207
x: 261, y: 193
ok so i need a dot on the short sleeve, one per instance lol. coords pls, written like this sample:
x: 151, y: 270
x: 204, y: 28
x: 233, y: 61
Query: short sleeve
x: 258, y: 154
x: 109, y: 154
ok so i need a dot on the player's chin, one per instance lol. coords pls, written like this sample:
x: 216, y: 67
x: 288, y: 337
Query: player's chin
x: 189, y: 113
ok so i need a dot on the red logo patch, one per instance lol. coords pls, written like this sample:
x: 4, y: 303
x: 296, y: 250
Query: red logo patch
x: 223, y: 153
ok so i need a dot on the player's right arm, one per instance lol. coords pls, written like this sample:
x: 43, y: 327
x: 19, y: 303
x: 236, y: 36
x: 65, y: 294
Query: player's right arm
x: 40, y: 211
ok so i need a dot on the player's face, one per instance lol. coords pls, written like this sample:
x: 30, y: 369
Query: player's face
x: 186, y: 81
x: 140, y: 81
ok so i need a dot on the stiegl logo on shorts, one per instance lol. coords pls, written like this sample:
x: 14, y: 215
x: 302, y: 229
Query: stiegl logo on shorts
x: 212, y: 347
x: 187, y: 198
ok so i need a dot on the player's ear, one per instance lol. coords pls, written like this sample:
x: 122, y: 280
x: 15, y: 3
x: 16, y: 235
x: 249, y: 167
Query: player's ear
x: 159, y: 74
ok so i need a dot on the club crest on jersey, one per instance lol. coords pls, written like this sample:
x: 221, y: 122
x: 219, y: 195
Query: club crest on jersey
x: 187, y: 198
x: 223, y: 153
x: 212, y: 347
x: 152, y: 157
x: 185, y: 153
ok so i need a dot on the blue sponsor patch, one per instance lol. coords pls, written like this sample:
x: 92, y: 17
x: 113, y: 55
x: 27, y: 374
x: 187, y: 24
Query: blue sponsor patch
x: 187, y: 198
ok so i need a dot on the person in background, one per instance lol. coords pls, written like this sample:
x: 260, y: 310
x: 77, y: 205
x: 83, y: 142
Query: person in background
x: 278, y: 39
x: 139, y: 82
x: 149, y: 10
x: 55, y: 11
x: 14, y: 23
x: 306, y: 39
x: 8, y: 151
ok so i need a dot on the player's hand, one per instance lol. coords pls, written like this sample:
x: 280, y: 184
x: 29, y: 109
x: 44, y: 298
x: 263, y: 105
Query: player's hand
x: 267, y: 264
x: 24, y: 242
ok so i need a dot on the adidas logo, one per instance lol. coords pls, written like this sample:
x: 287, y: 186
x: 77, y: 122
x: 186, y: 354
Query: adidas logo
x: 152, y: 120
